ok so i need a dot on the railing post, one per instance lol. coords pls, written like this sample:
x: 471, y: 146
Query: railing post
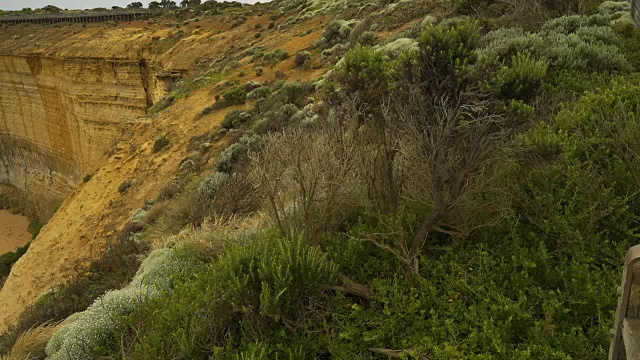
x: 630, y: 260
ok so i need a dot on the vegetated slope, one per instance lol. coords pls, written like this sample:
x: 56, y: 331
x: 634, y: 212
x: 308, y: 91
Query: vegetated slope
x: 93, y: 214
x: 447, y: 192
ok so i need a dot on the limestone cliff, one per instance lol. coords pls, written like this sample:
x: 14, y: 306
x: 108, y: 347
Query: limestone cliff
x: 58, y: 117
x: 65, y: 95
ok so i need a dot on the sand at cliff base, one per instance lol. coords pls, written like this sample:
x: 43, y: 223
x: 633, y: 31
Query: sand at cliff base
x: 13, y: 231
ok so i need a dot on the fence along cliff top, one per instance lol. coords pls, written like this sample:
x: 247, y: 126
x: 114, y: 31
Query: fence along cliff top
x: 81, y: 17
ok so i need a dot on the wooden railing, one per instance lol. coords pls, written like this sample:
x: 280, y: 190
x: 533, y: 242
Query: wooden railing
x: 81, y: 17
x: 635, y: 11
x: 625, y: 341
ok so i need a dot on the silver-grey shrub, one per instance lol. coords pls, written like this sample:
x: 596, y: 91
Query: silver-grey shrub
x: 579, y: 43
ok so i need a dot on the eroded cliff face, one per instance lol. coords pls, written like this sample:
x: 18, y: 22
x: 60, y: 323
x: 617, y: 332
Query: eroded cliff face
x: 78, y: 89
x: 58, y: 117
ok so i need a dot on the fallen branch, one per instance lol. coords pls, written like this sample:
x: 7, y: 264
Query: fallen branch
x: 353, y: 288
x: 397, y: 353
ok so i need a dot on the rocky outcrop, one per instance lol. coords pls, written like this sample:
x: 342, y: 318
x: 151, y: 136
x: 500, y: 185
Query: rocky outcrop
x: 58, y: 117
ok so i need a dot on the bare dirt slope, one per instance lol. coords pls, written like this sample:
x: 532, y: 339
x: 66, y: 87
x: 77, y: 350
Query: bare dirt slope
x: 93, y: 214
x: 13, y: 231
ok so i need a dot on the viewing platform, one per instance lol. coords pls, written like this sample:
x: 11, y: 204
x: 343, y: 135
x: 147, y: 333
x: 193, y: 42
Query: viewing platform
x: 81, y: 17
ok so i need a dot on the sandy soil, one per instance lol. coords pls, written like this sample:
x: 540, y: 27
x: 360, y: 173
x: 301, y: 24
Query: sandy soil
x: 13, y: 231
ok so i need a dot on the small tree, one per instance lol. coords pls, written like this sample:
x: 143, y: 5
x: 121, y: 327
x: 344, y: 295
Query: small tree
x: 51, y: 9
x: 135, y: 5
x: 154, y: 5
x: 168, y: 4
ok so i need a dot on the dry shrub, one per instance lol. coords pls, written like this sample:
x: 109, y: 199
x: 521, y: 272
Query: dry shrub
x: 232, y: 195
x: 306, y: 177
x: 526, y: 14
x: 177, y: 213
x: 30, y: 344
x: 450, y: 158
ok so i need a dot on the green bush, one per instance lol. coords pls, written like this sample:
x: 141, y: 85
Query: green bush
x: 521, y: 79
x: 276, y: 56
x: 367, y: 38
x: 303, y: 59
x: 112, y: 269
x: 8, y: 259
x: 246, y: 291
x: 161, y: 142
x: 365, y: 71
x: 446, y: 49
x: 259, y: 93
x: 124, y: 186
x: 229, y: 157
x: 235, y: 96
x: 571, y: 43
x: 98, y: 330
x: 614, y: 7
x: 337, y: 32
x: 234, y: 119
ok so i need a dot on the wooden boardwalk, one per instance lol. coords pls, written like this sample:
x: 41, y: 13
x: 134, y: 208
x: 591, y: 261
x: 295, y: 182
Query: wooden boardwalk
x: 81, y: 17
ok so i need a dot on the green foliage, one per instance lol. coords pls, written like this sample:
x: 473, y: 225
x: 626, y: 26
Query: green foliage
x: 570, y: 43
x: 112, y: 269
x: 337, y: 32
x: 365, y: 71
x: 8, y: 259
x: 234, y: 119
x: 98, y: 330
x: 229, y: 157
x: 161, y: 142
x: 249, y: 290
x: 367, y: 38
x: 303, y: 59
x: 531, y: 285
x: 521, y: 79
x: 446, y: 49
x: 34, y: 227
x: 235, y: 96
x: 275, y: 57
x: 124, y: 186
x: 261, y: 92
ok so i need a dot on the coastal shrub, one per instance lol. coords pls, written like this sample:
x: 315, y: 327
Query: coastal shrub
x: 161, y: 142
x: 212, y: 184
x: 259, y: 93
x: 246, y: 291
x: 337, y: 31
x: 275, y: 119
x: 521, y: 79
x: 234, y: 119
x: 614, y: 7
x: 275, y: 57
x: 112, y: 269
x: 230, y: 156
x: 124, y: 186
x: 98, y: 330
x: 303, y: 59
x: 235, y: 96
x: 8, y: 259
x: 447, y: 48
x: 95, y: 331
x: 367, y: 38
x: 365, y: 71
x: 575, y: 43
